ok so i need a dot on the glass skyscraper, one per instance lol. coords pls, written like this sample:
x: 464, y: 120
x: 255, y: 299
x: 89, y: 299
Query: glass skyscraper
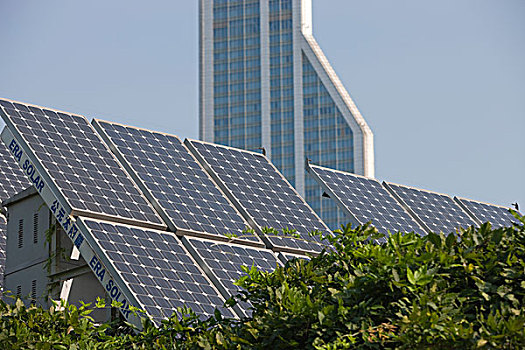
x: 265, y: 82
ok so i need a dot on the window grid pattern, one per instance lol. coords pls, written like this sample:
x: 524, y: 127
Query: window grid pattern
x: 328, y: 141
x: 237, y: 73
x: 281, y: 87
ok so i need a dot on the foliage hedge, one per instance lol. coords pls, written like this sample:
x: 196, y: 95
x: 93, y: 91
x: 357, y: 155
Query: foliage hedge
x: 433, y: 292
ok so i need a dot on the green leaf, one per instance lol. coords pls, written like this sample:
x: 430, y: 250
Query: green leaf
x: 410, y: 276
x: 450, y: 241
x: 497, y: 236
x: 481, y: 342
x: 395, y: 275
x: 321, y: 316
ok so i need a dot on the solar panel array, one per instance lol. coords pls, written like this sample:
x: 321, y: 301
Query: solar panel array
x: 498, y: 216
x: 224, y: 262
x: 365, y: 200
x: 162, y: 165
x: 202, y: 192
x: 12, y: 178
x: 258, y: 189
x: 157, y: 269
x: 437, y: 211
x: 115, y: 197
x: 79, y: 163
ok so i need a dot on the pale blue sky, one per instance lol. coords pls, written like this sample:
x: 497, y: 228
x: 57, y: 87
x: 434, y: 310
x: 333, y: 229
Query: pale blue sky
x: 441, y: 83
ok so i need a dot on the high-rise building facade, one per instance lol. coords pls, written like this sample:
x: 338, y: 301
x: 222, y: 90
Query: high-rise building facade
x: 265, y: 82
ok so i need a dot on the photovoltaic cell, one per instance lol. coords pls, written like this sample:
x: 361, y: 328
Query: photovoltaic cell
x: 224, y: 261
x: 79, y: 163
x: 157, y: 269
x: 12, y: 179
x: 437, y: 211
x: 365, y: 200
x: 183, y: 190
x: 264, y: 195
x: 498, y: 216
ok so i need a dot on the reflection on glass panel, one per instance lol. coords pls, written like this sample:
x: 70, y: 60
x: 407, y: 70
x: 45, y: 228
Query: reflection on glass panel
x: 328, y: 141
x: 237, y: 79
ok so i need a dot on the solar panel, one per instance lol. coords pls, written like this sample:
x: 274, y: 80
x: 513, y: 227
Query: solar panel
x: 156, y: 268
x: 262, y: 194
x: 223, y: 262
x: 498, y: 216
x: 288, y: 256
x: 365, y: 200
x: 166, y: 172
x: 3, y: 246
x: 78, y: 163
x: 12, y: 178
x: 438, y: 212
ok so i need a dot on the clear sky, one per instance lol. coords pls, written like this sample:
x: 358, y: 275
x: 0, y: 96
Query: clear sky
x: 441, y: 83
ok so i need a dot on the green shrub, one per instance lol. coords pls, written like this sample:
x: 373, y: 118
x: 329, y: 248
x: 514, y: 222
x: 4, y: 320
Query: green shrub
x: 432, y: 292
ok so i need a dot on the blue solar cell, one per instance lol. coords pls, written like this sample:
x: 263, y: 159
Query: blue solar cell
x: 497, y: 215
x: 365, y: 200
x: 437, y: 211
x: 157, y: 269
x: 78, y: 163
x: 224, y: 261
x: 258, y: 190
x: 12, y: 178
x: 168, y: 173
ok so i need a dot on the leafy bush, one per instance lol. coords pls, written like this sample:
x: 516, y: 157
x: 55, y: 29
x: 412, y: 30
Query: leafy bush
x: 437, y: 292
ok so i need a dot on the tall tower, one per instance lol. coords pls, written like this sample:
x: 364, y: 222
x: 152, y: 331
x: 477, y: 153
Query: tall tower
x: 265, y: 82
